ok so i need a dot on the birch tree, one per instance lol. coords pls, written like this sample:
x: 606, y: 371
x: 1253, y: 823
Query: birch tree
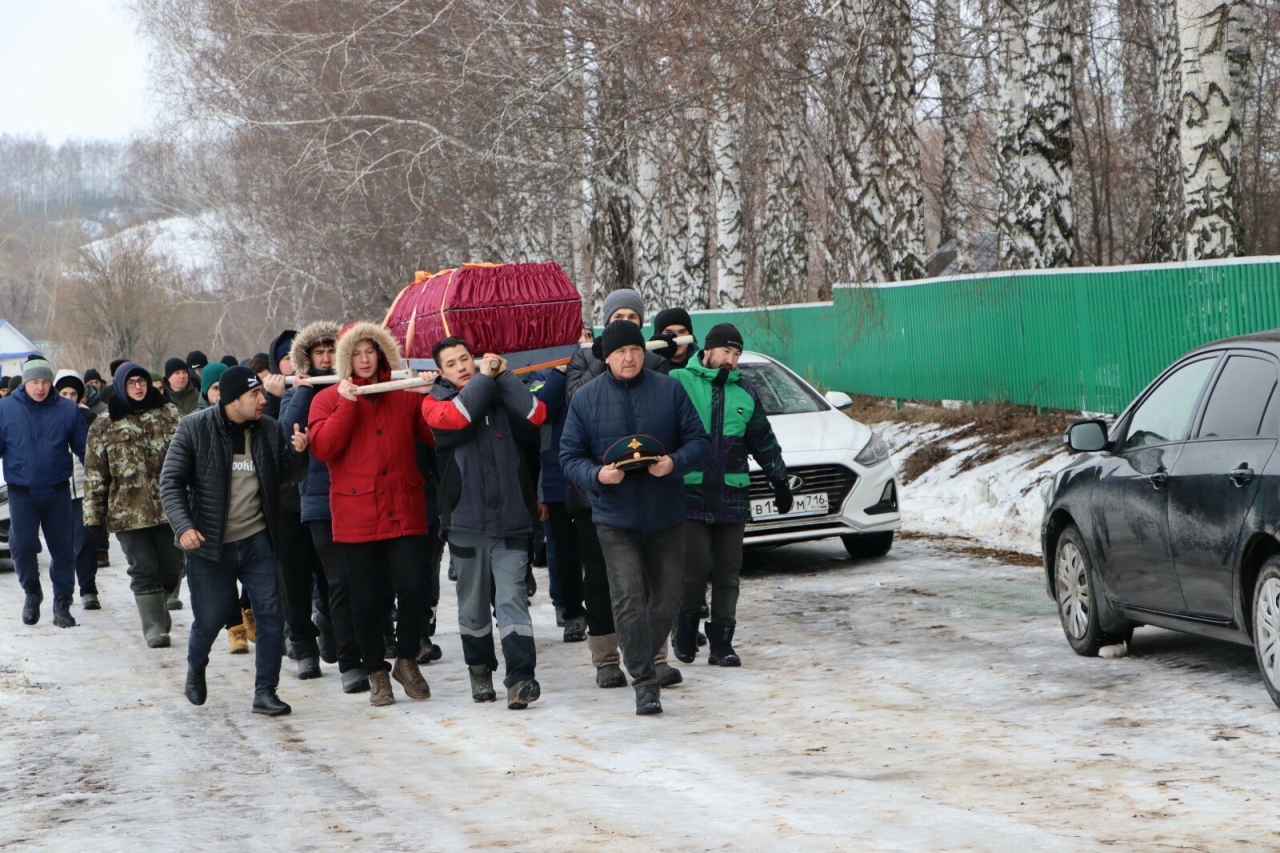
x: 1215, y: 58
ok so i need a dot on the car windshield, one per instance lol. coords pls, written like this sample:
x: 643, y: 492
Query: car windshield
x: 780, y: 393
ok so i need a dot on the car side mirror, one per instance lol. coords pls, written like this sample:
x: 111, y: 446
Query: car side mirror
x: 839, y: 399
x: 1087, y: 436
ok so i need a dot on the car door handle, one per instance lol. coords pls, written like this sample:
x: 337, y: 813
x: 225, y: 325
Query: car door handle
x: 1241, y: 476
x: 1159, y: 478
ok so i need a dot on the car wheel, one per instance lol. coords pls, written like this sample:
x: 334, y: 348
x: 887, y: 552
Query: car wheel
x: 1077, y: 590
x: 865, y: 546
x: 1266, y: 626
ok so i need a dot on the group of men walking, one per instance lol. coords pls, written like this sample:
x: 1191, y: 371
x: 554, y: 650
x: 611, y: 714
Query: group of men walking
x: 312, y: 508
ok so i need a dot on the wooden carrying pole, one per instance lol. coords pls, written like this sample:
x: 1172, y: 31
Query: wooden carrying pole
x: 415, y: 382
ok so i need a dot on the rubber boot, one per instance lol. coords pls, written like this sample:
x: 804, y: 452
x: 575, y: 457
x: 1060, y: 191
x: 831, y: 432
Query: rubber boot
x: 155, y: 618
x: 686, y: 638
x: 481, y: 683
x: 605, y: 658
x: 666, y: 674
x: 720, y: 638
x: 173, y: 600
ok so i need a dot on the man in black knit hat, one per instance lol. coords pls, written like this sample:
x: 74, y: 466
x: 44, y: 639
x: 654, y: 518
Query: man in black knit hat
x: 624, y: 419
x: 220, y: 487
x: 669, y: 324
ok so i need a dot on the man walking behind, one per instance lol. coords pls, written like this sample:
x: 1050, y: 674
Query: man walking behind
x: 38, y: 433
x: 487, y: 505
x: 717, y: 505
x: 639, y: 514
x: 126, y: 452
x: 220, y: 487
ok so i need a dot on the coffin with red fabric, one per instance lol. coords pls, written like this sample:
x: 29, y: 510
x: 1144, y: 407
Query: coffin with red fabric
x: 501, y: 308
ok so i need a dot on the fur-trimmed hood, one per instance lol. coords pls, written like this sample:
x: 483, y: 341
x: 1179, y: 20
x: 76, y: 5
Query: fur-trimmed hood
x: 306, y: 339
x: 366, y: 331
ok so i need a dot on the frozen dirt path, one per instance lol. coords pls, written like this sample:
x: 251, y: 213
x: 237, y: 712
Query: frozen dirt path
x: 926, y: 701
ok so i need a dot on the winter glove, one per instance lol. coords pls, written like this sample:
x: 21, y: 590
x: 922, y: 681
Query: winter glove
x: 669, y: 351
x: 782, y: 497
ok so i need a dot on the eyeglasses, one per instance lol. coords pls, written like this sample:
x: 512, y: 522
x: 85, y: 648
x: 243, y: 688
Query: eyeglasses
x: 136, y: 381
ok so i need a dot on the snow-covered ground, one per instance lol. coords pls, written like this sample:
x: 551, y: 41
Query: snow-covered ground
x: 996, y: 503
x: 925, y: 701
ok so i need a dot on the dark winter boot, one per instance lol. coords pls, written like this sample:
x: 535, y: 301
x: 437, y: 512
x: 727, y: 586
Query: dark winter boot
x: 482, y: 683
x: 174, y: 599
x: 429, y: 651
x: 31, y: 608
x: 154, y: 616
x: 521, y: 694
x: 267, y: 702
x: 197, y: 691
x: 89, y: 601
x: 667, y: 675
x: 389, y: 638
x: 308, y: 667
x: 648, y: 699
x: 327, y: 644
x: 686, y: 637
x: 720, y: 638
x: 355, y: 680
x: 62, y: 613
x: 605, y: 658
x: 575, y: 629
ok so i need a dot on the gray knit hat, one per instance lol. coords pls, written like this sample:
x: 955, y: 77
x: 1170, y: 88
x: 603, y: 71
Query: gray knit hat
x: 37, y: 368
x: 625, y: 298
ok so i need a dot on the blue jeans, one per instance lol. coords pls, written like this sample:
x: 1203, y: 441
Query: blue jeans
x: 28, y: 514
x: 212, y: 584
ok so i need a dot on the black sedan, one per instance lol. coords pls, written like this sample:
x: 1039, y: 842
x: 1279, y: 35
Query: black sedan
x: 1172, y: 516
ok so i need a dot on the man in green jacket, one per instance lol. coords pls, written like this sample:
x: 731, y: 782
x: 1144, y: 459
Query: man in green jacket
x: 717, y: 501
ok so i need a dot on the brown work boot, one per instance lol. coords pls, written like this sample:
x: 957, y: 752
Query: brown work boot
x: 237, y: 640
x: 410, y: 677
x: 380, y: 688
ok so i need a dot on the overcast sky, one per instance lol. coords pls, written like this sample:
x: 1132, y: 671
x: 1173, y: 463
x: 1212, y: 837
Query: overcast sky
x: 71, y: 68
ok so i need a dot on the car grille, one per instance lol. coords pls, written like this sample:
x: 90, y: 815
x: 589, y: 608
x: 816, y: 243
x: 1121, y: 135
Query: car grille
x: 836, y: 480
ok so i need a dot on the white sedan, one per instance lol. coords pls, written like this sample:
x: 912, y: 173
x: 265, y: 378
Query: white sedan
x: 841, y: 476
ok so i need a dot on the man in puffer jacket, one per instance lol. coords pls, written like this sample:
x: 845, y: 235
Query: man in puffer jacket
x: 39, y: 432
x: 378, y: 502
x: 125, y: 456
x: 487, y: 506
x: 220, y: 488
x: 639, y: 515
x: 718, y: 503
x: 69, y: 385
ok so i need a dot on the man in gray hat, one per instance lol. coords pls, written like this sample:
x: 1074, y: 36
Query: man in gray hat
x: 39, y: 477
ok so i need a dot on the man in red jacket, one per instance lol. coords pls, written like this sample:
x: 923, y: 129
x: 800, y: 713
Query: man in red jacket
x: 377, y: 501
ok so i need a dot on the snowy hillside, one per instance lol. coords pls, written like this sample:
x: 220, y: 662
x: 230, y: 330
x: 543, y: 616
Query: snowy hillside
x: 184, y: 240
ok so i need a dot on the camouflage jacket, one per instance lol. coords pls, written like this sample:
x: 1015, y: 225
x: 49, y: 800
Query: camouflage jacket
x: 122, y: 463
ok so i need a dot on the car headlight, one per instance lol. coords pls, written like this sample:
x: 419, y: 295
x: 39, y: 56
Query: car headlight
x: 874, y: 453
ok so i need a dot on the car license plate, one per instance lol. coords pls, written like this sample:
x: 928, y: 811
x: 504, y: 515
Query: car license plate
x: 764, y: 509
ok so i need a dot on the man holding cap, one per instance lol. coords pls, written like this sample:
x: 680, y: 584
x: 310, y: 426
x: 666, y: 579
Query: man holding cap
x: 717, y: 494
x: 629, y: 438
x: 39, y: 431
x: 220, y: 488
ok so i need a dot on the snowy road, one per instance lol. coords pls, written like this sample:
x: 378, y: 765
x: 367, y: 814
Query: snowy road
x: 926, y: 701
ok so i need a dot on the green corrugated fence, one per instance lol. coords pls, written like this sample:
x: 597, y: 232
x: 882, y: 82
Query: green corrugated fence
x: 1087, y: 339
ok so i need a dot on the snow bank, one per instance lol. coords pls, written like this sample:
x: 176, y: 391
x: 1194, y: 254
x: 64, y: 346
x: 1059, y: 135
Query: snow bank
x: 996, y: 503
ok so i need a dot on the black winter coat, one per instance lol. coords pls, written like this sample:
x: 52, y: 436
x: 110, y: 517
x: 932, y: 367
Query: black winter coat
x: 195, y: 483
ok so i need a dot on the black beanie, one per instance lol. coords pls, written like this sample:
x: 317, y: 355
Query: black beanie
x: 235, y: 382
x: 229, y: 360
x: 196, y: 360
x: 92, y: 373
x: 621, y: 333
x: 115, y: 365
x: 672, y: 317
x: 723, y: 335
x: 173, y: 365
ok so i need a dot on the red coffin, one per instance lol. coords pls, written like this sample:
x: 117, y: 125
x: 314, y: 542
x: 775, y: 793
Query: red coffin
x: 502, y: 308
